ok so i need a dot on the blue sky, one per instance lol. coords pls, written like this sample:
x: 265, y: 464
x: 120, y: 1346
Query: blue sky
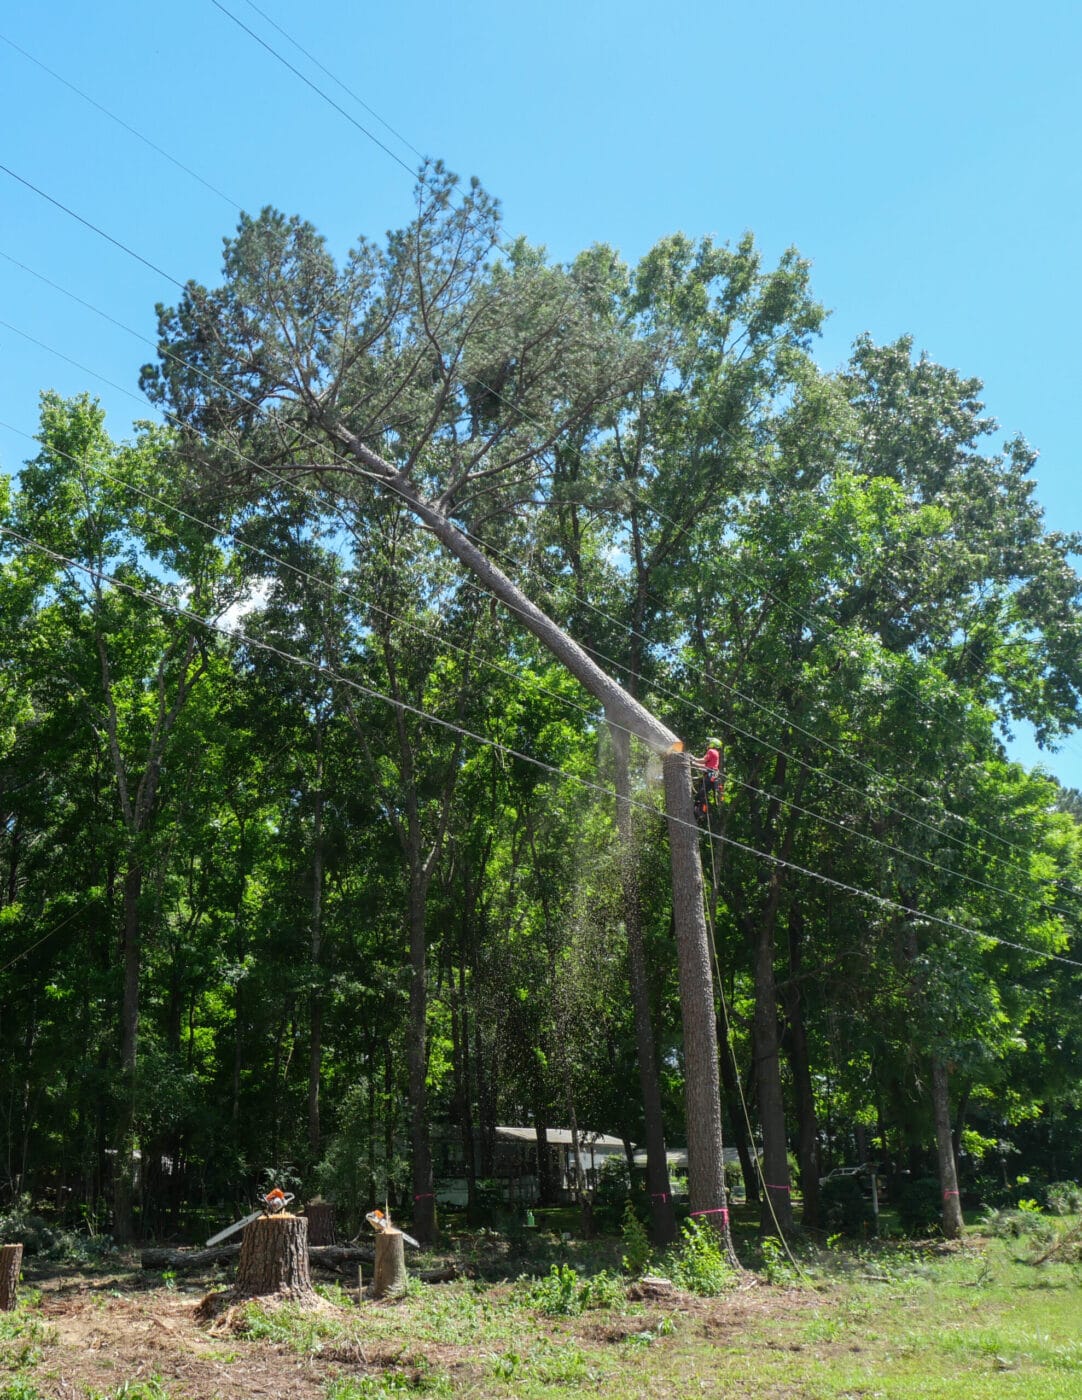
x: 925, y: 159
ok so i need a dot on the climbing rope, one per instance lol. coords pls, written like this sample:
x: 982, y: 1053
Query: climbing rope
x: 711, y: 906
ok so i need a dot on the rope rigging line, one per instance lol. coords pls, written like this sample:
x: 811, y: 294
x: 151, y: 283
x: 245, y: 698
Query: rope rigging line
x: 711, y: 905
x: 234, y: 634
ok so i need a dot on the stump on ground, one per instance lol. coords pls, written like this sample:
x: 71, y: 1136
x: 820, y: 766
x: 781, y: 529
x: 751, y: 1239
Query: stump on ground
x: 11, y: 1258
x: 321, y: 1222
x: 274, y: 1259
x: 389, y: 1279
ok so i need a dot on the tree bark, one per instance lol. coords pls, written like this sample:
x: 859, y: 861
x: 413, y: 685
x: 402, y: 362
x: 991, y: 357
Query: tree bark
x: 315, y: 1000
x: 274, y: 1259
x: 948, y: 1177
x: 389, y: 1280
x: 662, y: 1217
x: 123, y: 1218
x: 321, y: 1223
x: 706, y: 1162
x: 799, y: 1062
x: 11, y: 1258
x: 777, y: 1211
x: 424, y: 1199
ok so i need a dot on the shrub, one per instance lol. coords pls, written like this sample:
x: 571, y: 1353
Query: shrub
x: 1064, y: 1198
x: 637, y: 1247
x: 698, y: 1264
x: 558, y: 1293
x: 1017, y: 1224
x: 562, y: 1294
x: 20, y: 1225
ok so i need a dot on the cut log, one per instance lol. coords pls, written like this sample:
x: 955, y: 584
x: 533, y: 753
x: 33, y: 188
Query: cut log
x: 321, y: 1222
x: 389, y: 1280
x: 188, y: 1260
x: 274, y: 1259
x: 11, y: 1258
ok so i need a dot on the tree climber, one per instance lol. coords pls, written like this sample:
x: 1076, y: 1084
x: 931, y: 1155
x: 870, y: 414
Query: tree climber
x: 709, y: 767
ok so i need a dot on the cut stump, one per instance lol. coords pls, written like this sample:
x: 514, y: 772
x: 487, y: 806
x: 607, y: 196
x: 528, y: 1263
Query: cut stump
x: 11, y: 1258
x: 272, y: 1268
x: 389, y: 1279
x: 321, y: 1222
x: 274, y: 1259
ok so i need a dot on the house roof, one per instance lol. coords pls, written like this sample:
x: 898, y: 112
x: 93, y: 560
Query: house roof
x: 561, y: 1137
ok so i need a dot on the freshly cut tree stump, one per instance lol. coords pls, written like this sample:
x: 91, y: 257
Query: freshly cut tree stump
x: 272, y: 1268
x: 274, y: 1259
x: 389, y: 1280
x: 11, y: 1258
x: 321, y: 1223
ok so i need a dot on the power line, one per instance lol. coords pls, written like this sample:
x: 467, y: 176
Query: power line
x: 911, y: 914
x: 307, y: 437
x: 315, y: 88
x: 94, y: 227
x: 824, y: 625
x: 120, y: 122
x: 296, y: 488
x: 592, y: 714
x: 334, y: 79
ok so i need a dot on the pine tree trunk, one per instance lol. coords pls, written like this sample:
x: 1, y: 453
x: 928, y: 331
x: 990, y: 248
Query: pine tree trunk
x: 274, y: 1259
x: 11, y: 1258
x: 702, y: 1095
x: 662, y: 1217
x: 389, y: 1279
x: 424, y: 1199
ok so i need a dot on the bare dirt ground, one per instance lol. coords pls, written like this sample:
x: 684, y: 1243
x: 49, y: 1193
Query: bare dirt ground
x: 102, y: 1331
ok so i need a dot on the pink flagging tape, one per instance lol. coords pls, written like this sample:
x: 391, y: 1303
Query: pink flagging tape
x: 723, y: 1211
x: 771, y: 1187
x: 949, y: 1193
x: 424, y: 1196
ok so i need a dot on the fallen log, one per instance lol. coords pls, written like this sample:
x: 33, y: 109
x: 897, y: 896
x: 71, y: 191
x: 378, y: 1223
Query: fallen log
x: 186, y: 1260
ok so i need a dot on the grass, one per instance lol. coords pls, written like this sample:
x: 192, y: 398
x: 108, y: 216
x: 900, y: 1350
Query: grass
x: 885, y: 1320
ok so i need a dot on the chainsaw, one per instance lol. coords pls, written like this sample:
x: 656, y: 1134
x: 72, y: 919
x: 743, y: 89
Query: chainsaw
x: 273, y: 1203
x: 382, y: 1223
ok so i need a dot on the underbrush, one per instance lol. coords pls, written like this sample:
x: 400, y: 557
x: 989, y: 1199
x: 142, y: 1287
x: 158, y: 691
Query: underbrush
x: 21, y: 1225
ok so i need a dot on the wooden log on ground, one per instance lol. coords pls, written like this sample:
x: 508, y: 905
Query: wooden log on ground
x: 11, y: 1259
x: 389, y: 1279
x: 274, y: 1260
x: 187, y: 1260
x: 321, y: 1223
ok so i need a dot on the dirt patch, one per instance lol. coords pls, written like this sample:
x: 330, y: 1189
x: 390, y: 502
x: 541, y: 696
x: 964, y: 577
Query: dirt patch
x: 99, y: 1341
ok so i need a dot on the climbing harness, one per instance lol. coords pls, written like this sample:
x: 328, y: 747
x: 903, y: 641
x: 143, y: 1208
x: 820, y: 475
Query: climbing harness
x: 710, y: 783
